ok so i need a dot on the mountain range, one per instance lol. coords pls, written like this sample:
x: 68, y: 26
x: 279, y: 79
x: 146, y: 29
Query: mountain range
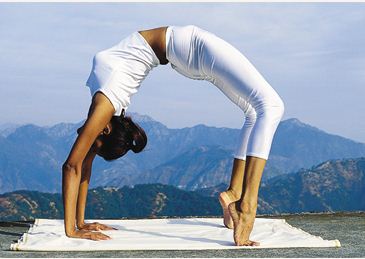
x: 336, y: 185
x: 190, y: 158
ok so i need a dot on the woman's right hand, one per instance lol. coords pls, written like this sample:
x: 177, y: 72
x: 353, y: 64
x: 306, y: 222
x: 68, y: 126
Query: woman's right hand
x: 84, y: 234
x: 95, y: 226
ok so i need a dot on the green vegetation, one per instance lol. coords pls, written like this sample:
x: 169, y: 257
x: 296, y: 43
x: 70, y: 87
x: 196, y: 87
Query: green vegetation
x: 141, y: 201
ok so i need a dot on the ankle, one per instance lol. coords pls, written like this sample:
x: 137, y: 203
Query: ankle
x: 233, y: 195
x: 248, y: 207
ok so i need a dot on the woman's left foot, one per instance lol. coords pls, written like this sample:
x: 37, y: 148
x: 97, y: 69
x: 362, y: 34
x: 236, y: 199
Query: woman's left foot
x: 225, y: 200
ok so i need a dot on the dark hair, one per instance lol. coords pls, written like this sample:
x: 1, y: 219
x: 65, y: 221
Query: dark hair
x: 125, y: 135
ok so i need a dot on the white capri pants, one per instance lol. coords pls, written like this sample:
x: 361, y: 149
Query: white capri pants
x: 198, y: 54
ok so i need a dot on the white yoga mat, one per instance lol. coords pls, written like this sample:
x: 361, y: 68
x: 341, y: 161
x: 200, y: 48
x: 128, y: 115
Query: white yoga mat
x: 167, y: 234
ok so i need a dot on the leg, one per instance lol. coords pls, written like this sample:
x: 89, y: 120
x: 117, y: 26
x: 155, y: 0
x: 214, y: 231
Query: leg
x: 234, y: 191
x: 238, y: 79
x: 243, y: 212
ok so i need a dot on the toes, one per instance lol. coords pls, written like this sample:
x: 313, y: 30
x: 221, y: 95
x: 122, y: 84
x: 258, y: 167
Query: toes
x: 247, y: 243
x: 254, y: 243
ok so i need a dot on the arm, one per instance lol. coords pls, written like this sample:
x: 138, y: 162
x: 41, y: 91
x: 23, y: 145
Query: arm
x: 81, y: 200
x: 101, y: 111
x: 84, y: 184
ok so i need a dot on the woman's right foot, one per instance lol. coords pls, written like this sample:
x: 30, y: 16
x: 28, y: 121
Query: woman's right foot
x: 243, y: 225
x: 226, y: 198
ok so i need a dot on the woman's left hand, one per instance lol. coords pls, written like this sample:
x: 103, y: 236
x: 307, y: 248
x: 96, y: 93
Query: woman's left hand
x: 95, y: 226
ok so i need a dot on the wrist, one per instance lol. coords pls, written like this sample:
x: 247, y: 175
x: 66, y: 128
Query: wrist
x: 70, y: 233
x: 80, y: 224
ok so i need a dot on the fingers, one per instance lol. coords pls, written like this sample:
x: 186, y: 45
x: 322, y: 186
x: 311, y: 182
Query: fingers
x: 88, y: 227
x: 97, y: 236
x: 97, y: 227
x: 105, y: 227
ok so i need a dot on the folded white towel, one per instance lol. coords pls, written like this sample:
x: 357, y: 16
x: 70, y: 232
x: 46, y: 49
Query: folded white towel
x: 167, y: 234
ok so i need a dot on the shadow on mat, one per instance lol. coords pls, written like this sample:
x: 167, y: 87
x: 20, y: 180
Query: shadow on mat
x: 194, y: 222
x: 195, y: 239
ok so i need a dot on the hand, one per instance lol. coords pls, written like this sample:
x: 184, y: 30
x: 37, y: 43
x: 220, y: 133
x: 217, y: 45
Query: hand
x: 96, y: 236
x: 96, y: 226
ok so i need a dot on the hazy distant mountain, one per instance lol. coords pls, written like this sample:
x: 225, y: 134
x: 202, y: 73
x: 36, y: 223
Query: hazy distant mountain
x: 207, y: 159
x: 296, y: 143
x: 7, y: 128
x: 196, y: 168
x: 31, y: 157
x: 337, y: 185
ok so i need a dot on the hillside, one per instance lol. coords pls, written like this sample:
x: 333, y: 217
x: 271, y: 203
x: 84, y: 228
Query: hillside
x: 140, y: 201
x: 337, y: 185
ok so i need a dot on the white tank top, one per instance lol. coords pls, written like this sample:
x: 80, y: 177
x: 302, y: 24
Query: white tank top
x: 118, y: 72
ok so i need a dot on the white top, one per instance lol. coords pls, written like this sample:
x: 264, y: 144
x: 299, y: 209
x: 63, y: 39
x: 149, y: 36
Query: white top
x: 118, y: 72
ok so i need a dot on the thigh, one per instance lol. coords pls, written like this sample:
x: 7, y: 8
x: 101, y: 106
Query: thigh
x: 233, y: 73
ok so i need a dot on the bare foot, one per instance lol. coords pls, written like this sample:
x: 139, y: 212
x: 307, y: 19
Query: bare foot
x: 242, y: 226
x: 225, y: 200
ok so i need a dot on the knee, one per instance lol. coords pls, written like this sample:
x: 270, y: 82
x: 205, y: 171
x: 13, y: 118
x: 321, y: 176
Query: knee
x: 273, y: 109
x: 250, y: 117
x: 279, y: 107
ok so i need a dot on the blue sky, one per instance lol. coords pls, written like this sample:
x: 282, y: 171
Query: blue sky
x: 312, y: 53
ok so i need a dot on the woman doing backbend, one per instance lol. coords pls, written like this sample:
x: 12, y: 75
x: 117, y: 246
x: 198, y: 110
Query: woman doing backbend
x: 117, y: 74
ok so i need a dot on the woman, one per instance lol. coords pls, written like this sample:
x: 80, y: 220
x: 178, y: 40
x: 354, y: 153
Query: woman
x: 117, y: 74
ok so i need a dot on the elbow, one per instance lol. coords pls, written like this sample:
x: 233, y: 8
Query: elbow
x: 70, y: 232
x: 68, y: 167
x: 70, y: 174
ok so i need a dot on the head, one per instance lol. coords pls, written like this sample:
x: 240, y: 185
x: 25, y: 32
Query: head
x: 119, y: 136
